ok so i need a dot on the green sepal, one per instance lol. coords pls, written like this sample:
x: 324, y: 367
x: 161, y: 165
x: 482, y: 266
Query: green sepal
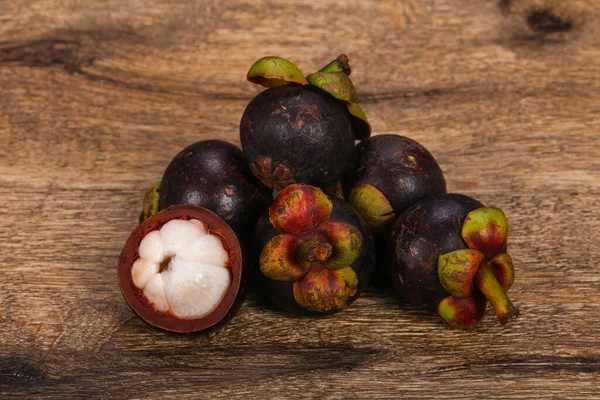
x: 457, y: 269
x: 340, y: 64
x: 486, y: 229
x: 337, y: 84
x: 151, y: 202
x: 275, y: 71
x: 463, y: 313
x: 504, y: 270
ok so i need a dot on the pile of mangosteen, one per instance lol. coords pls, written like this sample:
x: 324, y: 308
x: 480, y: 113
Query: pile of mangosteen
x: 308, y: 216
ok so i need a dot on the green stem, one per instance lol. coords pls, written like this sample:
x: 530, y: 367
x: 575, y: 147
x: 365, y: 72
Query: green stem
x: 151, y: 201
x: 492, y: 290
x: 304, y: 249
x: 319, y: 252
x: 340, y: 64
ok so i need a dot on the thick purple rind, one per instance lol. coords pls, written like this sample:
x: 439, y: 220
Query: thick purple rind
x: 383, y: 162
x: 214, y: 174
x: 303, y: 128
x: 419, y: 236
x: 234, y: 296
x: 282, y: 294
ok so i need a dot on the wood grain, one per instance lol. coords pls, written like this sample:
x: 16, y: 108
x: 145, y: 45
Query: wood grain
x: 98, y: 96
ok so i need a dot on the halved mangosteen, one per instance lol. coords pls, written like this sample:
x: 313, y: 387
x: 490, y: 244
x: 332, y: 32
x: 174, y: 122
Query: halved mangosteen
x: 183, y: 270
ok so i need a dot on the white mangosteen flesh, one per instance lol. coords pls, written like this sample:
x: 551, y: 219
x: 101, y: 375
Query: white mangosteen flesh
x: 182, y: 269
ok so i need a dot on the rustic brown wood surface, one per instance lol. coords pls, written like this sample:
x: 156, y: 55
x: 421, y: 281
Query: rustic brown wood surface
x: 98, y: 96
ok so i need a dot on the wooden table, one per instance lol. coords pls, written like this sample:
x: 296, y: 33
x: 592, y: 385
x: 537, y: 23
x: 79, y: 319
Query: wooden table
x: 98, y: 96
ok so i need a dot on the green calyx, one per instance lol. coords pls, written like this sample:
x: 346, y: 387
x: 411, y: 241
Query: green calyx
x: 313, y: 251
x: 483, y: 272
x: 151, y: 202
x: 462, y: 313
x: 340, y: 64
x: 345, y: 242
x: 457, y: 269
x: 275, y: 71
x: 337, y: 84
x: 374, y: 207
x: 325, y: 291
x: 278, y: 259
x: 486, y: 230
x: 334, y: 79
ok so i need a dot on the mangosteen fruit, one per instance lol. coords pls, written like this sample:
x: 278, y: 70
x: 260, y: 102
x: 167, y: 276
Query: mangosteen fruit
x: 182, y: 270
x: 448, y: 254
x: 213, y: 174
x: 316, y: 251
x: 301, y: 130
x: 388, y: 174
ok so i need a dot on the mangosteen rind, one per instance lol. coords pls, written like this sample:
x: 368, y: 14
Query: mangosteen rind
x: 214, y: 174
x: 419, y: 236
x: 306, y: 131
x: 392, y: 168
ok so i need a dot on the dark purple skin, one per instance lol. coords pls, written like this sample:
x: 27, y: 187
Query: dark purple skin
x: 282, y: 292
x: 421, y: 234
x: 382, y: 161
x: 215, y: 175
x: 305, y: 129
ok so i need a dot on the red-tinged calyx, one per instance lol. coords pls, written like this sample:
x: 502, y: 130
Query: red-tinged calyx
x: 271, y: 174
x: 279, y: 261
x: 462, y: 313
x: 331, y: 80
x: 325, y: 290
x: 275, y: 71
x: 486, y: 229
x: 340, y: 64
x: 299, y: 209
x: 484, y: 269
x: 457, y: 269
x: 314, y: 251
x: 337, y: 84
x: 150, y: 204
x: 504, y: 270
x: 373, y: 206
x: 319, y: 252
x: 465, y: 272
x: 345, y: 241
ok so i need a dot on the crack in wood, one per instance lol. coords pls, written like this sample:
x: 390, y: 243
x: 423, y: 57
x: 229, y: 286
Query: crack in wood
x: 548, y: 363
x: 69, y: 54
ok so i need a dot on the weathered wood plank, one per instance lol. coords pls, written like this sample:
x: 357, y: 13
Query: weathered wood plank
x: 98, y: 96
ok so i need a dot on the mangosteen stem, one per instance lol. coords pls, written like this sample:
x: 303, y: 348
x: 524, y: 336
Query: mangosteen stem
x: 319, y: 252
x: 151, y: 201
x: 340, y: 64
x: 492, y: 290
